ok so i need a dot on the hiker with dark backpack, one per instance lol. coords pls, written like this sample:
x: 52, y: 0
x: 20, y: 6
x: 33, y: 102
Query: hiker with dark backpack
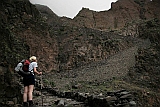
x: 29, y: 82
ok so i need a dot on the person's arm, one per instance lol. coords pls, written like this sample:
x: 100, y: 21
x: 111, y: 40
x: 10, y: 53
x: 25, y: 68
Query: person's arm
x: 35, y: 70
x: 26, y: 73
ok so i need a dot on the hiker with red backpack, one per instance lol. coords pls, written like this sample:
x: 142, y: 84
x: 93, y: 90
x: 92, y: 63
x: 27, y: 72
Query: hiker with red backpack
x: 28, y: 69
x: 29, y: 82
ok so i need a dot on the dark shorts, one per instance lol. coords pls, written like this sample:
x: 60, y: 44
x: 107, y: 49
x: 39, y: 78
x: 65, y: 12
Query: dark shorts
x: 29, y: 80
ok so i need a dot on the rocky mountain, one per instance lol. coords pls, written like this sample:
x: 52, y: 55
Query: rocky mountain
x: 27, y: 28
x: 110, y: 50
x: 48, y: 15
x: 122, y: 13
x: 23, y: 33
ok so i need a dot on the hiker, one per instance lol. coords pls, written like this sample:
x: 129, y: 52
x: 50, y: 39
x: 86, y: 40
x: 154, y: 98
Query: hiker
x: 29, y: 82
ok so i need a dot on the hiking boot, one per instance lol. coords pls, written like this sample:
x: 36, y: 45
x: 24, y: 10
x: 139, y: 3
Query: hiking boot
x: 25, y: 104
x: 31, y: 104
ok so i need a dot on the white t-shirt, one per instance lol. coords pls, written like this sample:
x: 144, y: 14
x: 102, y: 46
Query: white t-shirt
x: 32, y: 65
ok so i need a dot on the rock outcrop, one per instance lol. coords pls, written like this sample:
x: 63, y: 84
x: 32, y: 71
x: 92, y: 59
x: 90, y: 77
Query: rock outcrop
x: 27, y: 34
x: 121, y: 13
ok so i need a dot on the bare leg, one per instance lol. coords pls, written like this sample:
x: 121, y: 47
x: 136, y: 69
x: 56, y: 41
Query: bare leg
x: 30, y: 91
x: 25, y: 93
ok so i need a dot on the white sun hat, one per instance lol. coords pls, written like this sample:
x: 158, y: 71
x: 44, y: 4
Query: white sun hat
x: 32, y: 58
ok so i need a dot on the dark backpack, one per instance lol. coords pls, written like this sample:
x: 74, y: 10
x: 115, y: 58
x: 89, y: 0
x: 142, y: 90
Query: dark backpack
x: 22, y: 68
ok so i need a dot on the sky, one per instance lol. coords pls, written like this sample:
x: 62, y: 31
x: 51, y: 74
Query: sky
x: 70, y: 8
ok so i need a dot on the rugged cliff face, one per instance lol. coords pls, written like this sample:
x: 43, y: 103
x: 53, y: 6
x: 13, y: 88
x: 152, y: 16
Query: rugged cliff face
x: 146, y: 73
x: 29, y: 32
x: 79, y: 45
x: 48, y: 15
x: 72, y: 34
x: 121, y: 14
x: 22, y: 33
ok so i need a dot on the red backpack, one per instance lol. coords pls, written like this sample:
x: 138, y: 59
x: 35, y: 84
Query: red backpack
x: 25, y: 67
x: 22, y: 68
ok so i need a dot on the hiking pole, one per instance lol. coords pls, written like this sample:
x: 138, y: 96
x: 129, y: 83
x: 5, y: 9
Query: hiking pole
x: 41, y: 90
